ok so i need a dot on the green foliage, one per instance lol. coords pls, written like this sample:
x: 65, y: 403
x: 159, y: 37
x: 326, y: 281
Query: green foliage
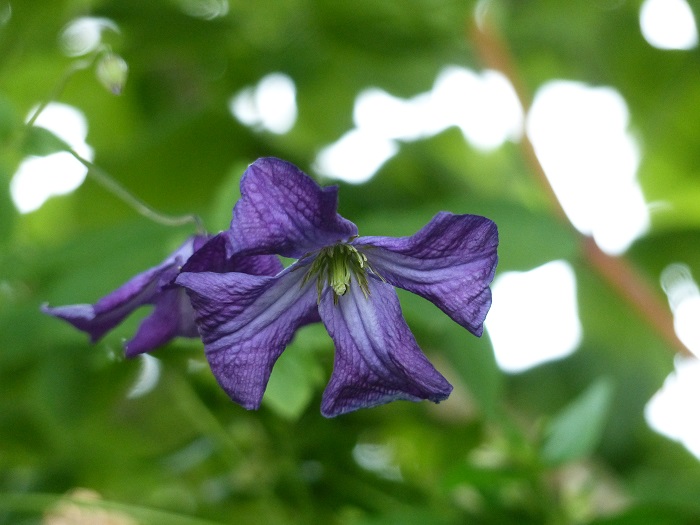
x: 565, y: 442
x: 576, y: 430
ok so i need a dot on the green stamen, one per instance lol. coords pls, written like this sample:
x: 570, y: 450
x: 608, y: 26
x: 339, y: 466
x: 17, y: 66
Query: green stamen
x: 339, y: 266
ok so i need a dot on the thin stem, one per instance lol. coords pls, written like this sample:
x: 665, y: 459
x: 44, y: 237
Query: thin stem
x: 99, y: 175
x: 111, y: 185
x: 630, y: 285
x: 622, y: 276
x: 58, y: 89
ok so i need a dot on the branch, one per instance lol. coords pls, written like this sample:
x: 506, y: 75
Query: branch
x: 620, y: 274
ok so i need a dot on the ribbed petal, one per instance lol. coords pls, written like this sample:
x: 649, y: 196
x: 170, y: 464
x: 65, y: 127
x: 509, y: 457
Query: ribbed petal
x: 112, y: 309
x: 245, y: 322
x: 216, y: 256
x: 83, y: 317
x: 145, y: 288
x: 283, y: 211
x: 451, y: 262
x: 377, y: 359
x: 172, y: 316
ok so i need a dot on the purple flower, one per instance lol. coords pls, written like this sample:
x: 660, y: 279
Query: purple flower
x: 346, y: 281
x: 172, y: 314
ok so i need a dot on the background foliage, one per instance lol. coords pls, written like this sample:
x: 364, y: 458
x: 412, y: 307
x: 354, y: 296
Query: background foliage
x: 565, y: 442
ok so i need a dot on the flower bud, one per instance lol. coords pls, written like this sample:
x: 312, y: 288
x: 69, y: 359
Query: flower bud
x: 112, y: 71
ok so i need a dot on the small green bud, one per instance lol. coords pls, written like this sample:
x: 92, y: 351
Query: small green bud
x: 112, y: 71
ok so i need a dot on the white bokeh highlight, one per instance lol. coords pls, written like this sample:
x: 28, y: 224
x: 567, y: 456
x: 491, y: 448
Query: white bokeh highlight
x: 484, y: 106
x: 673, y: 410
x: 534, y: 316
x: 377, y: 458
x: 668, y: 24
x: 355, y: 157
x: 147, y: 378
x: 684, y: 299
x: 83, y: 35
x: 268, y: 106
x: 581, y: 137
x: 5, y: 12
x: 39, y: 178
x: 205, y: 9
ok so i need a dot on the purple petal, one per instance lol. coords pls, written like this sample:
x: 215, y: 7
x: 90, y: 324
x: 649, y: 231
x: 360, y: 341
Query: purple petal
x: 144, y: 288
x: 283, y: 211
x: 245, y: 322
x: 377, y: 359
x: 216, y: 256
x: 450, y: 262
x: 172, y: 316
x: 112, y: 309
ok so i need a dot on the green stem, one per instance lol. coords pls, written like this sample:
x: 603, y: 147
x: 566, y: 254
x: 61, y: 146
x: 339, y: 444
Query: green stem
x: 99, y: 175
x: 111, y: 185
x: 60, y: 86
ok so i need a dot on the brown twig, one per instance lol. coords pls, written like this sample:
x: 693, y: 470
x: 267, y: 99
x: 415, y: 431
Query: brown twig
x: 620, y: 274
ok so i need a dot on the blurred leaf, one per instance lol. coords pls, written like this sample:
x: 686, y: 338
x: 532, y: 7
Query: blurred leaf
x: 297, y: 373
x: 576, y: 430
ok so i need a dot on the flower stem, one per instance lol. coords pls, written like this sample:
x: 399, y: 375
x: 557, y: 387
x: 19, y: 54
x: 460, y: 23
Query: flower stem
x: 99, y: 175
x: 76, y: 66
x: 111, y: 185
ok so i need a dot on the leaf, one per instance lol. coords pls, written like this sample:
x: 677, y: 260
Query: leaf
x: 576, y: 430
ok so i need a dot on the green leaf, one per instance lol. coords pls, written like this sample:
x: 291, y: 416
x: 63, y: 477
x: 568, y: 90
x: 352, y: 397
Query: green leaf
x: 576, y: 430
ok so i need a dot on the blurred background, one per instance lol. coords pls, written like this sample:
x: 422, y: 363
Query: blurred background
x: 573, y: 125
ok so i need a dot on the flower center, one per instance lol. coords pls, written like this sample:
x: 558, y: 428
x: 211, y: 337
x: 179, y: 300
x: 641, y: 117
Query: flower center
x: 337, y: 266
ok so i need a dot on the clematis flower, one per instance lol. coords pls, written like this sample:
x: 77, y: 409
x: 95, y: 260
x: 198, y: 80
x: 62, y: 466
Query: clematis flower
x: 172, y: 314
x: 344, y: 280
